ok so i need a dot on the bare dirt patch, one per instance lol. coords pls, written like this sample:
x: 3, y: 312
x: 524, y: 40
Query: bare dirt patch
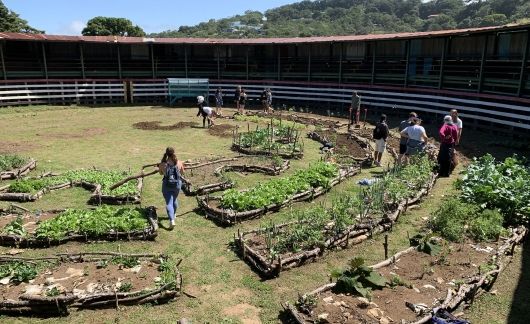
x: 344, y: 145
x: 155, y: 125
x: 222, y: 130
x: 85, y: 133
x: 16, y: 147
x: 247, y: 313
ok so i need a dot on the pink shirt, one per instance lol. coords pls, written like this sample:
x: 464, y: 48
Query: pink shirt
x: 448, y: 134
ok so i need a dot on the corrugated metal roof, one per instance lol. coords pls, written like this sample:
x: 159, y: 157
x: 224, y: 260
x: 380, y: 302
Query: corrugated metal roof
x: 254, y: 41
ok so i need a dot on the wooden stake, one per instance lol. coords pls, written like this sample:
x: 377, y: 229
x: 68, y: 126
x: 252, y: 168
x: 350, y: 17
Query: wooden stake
x: 386, y: 246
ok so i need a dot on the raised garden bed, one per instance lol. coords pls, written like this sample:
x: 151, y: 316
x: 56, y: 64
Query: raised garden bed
x: 272, y: 250
x: 52, y: 286
x: 310, y: 121
x: 415, y: 283
x: 345, y: 145
x: 213, y: 206
x: 207, y: 177
x: 283, y: 141
x: 97, y: 181
x: 44, y: 229
x: 14, y: 167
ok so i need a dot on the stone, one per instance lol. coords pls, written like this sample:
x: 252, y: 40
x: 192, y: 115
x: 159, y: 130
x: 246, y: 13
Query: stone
x: 384, y: 320
x: 343, y: 304
x: 375, y: 313
x: 347, y: 315
x: 323, y: 318
x: 328, y: 299
x: 439, y: 280
x: 494, y: 292
x: 416, y: 289
x: 336, y: 304
x: 33, y: 290
x: 429, y: 287
x: 5, y: 281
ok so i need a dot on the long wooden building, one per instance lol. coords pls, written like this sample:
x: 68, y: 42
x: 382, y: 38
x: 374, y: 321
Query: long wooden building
x: 482, y: 71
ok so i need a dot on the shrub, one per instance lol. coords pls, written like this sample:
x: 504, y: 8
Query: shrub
x: 451, y: 218
x: 487, y: 226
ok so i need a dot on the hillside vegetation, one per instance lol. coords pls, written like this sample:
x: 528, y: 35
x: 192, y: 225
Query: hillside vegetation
x: 350, y: 17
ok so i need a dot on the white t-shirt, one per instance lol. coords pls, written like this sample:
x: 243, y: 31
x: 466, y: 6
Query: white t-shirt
x: 415, y: 132
x: 458, y: 123
x: 207, y: 110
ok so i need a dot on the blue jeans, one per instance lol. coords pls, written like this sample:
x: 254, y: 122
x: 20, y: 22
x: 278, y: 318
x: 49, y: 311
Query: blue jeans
x: 172, y: 204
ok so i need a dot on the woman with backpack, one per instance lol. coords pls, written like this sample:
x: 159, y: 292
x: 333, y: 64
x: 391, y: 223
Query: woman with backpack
x: 171, y: 168
x: 242, y: 101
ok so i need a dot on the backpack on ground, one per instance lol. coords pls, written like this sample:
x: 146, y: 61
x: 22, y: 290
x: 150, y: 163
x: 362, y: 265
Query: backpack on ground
x: 380, y: 131
x: 172, y: 176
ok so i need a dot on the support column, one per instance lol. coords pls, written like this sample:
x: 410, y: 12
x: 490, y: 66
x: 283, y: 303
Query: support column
x: 309, y: 65
x: 185, y: 61
x: 522, y: 74
x: 2, y: 58
x: 406, y: 81
x: 442, y: 62
x: 340, y: 62
x: 279, y: 63
x: 82, y: 58
x: 119, y: 61
x: 373, y: 62
x: 44, y: 60
x: 482, y: 64
x: 152, y: 52
x: 218, y: 62
x: 247, y: 70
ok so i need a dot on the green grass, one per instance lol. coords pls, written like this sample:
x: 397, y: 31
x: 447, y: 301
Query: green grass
x: 227, y: 290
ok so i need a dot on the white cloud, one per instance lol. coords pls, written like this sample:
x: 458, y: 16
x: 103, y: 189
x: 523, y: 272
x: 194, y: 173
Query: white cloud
x: 73, y: 28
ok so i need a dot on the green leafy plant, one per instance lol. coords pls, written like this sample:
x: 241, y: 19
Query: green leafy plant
x: 359, y: 279
x: 396, y: 281
x: 498, y: 185
x: 125, y: 286
x: 15, y: 227
x: 487, y: 226
x: 425, y: 244
x: 53, y: 292
x: 451, y: 217
x: 18, y: 271
x: 168, y: 273
x: 125, y: 261
x: 11, y: 161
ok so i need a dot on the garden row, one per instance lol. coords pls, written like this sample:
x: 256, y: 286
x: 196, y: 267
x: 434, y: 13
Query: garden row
x: 238, y: 205
x: 475, y: 234
x: 350, y: 220
x: 51, y: 286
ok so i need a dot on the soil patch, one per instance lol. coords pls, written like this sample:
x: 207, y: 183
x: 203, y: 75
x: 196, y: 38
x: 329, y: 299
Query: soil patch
x: 155, y: 125
x: 16, y: 147
x: 426, y: 279
x: 222, y: 130
x: 85, y: 133
x: 247, y: 313
x: 344, y: 144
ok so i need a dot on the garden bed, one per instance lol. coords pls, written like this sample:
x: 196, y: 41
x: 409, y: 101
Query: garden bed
x: 207, y: 177
x: 310, y: 121
x: 156, y: 125
x: 345, y: 145
x: 51, y: 286
x: 226, y: 216
x: 45, y: 229
x: 19, y: 171
x: 39, y: 186
x: 416, y: 283
x: 281, y: 140
x: 255, y: 246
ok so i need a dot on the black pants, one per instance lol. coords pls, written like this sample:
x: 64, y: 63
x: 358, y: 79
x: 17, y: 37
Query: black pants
x: 204, y: 118
x: 445, y: 159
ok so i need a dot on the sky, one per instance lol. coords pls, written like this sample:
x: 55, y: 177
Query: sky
x: 69, y: 17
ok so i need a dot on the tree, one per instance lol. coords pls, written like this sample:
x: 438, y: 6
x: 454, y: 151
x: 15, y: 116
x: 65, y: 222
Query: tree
x: 110, y: 26
x: 11, y: 22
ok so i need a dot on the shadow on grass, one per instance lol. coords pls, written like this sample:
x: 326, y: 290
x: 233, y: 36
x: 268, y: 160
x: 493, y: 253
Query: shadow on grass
x: 521, y: 297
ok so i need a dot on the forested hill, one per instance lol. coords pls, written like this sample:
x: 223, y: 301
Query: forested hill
x: 350, y: 17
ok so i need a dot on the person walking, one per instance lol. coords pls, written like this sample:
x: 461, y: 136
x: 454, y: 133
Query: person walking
x: 380, y: 135
x: 242, y: 101
x: 263, y: 99
x: 219, y: 101
x: 237, y: 94
x: 416, y: 138
x: 448, y: 135
x: 458, y: 123
x: 268, y: 97
x: 355, y: 108
x: 171, y: 169
x: 403, y: 140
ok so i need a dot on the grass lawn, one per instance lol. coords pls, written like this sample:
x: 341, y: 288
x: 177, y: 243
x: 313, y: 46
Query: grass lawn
x: 227, y: 290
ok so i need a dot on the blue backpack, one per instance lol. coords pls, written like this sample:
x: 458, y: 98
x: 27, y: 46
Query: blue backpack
x: 172, y: 176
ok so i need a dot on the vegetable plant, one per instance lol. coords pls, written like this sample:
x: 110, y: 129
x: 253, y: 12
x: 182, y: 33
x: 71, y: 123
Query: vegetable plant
x: 11, y: 161
x: 358, y: 278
